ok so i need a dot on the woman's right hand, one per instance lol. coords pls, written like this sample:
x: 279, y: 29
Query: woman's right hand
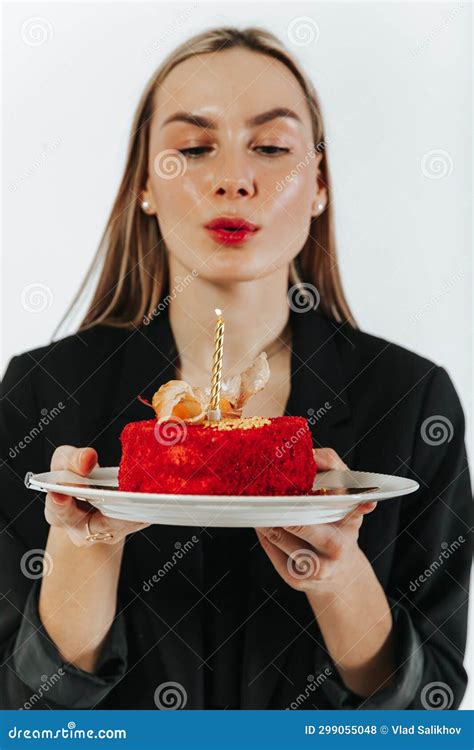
x: 62, y: 510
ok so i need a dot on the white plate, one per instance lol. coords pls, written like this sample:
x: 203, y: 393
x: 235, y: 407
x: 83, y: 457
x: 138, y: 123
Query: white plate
x: 224, y: 510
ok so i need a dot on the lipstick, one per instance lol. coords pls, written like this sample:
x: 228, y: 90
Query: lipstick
x: 231, y: 230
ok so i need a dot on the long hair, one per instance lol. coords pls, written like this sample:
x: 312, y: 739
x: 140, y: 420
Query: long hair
x: 130, y: 267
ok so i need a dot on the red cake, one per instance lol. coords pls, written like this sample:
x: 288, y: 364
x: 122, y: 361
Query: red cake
x: 234, y: 456
x: 185, y: 451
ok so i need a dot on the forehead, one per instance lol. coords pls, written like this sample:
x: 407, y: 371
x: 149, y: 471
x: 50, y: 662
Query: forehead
x: 229, y: 85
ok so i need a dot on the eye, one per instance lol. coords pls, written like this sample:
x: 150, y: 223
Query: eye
x: 273, y: 150
x: 194, y: 152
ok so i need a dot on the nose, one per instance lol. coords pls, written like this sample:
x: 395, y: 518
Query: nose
x: 236, y: 180
x: 234, y: 187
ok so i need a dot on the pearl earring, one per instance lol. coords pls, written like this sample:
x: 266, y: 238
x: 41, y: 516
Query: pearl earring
x: 145, y: 206
x: 320, y: 207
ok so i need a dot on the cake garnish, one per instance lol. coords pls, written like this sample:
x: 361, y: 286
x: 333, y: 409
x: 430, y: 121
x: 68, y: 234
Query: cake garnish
x: 179, y: 399
x: 241, y: 423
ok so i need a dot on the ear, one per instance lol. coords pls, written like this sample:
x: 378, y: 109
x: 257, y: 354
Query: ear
x: 320, y: 198
x: 146, y: 195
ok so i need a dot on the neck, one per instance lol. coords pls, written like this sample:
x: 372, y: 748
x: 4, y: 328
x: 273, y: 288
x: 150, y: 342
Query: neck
x: 256, y: 313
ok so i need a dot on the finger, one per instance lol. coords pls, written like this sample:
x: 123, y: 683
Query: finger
x: 301, y: 568
x: 62, y: 511
x: 329, y: 540
x: 115, y: 526
x: 356, y: 515
x: 325, y: 545
x: 316, y: 535
x: 282, y: 539
x: 99, y: 524
x: 327, y: 459
x: 79, y: 460
x: 277, y: 557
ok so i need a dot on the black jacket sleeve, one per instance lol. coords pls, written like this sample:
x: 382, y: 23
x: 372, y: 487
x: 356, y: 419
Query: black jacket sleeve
x: 32, y: 673
x: 429, y: 584
x: 38, y: 664
x: 406, y: 679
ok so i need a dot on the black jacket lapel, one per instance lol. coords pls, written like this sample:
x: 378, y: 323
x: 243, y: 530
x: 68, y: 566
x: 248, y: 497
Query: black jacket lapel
x: 279, y: 612
x: 136, y: 363
x: 318, y: 389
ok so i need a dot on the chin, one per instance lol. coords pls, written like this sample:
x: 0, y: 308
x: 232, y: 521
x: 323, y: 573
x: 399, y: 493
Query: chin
x: 239, y: 271
x: 241, y: 264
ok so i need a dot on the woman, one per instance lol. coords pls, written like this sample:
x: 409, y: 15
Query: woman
x: 230, y: 128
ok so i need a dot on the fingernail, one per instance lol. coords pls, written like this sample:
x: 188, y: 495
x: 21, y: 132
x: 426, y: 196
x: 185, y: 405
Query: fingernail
x: 59, y: 499
x: 86, y: 456
x: 274, y: 535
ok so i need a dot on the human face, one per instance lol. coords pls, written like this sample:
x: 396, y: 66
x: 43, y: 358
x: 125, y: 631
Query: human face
x: 229, y: 157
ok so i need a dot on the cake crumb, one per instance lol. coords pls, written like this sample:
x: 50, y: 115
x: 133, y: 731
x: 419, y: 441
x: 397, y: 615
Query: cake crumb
x: 242, y: 423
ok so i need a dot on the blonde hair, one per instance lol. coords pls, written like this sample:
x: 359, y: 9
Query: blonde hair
x: 131, y: 260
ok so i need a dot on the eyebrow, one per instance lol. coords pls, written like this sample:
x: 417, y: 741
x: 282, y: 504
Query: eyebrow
x: 204, y: 122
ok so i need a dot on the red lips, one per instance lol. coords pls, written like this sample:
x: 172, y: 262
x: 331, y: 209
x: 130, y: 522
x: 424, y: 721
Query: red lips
x: 231, y: 230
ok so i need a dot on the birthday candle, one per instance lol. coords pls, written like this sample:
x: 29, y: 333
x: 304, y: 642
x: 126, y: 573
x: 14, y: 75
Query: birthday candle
x: 214, y: 413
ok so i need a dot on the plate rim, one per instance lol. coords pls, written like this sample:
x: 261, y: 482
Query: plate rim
x: 33, y: 482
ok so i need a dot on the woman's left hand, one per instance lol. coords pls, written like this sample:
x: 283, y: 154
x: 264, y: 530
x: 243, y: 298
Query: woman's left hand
x: 321, y: 556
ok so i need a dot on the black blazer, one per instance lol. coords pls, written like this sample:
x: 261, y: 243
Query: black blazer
x: 371, y: 400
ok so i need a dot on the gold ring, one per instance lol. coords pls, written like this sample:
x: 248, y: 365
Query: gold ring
x: 99, y: 536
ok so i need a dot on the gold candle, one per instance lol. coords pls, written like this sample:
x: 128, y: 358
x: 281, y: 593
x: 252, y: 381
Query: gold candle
x: 214, y: 413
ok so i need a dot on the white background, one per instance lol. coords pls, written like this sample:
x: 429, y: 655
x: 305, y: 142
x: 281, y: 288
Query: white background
x: 394, y: 82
